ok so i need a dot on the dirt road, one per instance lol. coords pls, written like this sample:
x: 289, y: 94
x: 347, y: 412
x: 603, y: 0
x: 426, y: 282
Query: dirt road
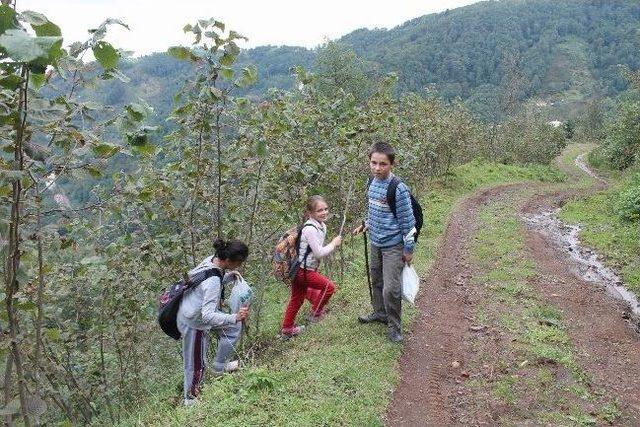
x: 515, y: 337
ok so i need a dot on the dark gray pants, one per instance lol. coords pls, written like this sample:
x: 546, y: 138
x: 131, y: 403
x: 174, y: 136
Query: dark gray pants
x: 195, y: 343
x: 386, y: 279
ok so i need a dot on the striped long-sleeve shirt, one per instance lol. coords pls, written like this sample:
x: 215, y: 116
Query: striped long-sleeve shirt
x: 384, y: 229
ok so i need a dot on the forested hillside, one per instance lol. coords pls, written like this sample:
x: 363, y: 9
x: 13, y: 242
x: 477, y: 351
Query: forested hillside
x: 494, y: 55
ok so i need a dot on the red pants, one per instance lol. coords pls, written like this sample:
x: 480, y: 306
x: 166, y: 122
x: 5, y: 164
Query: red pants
x: 313, y: 287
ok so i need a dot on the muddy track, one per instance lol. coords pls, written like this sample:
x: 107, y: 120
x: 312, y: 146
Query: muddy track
x: 432, y: 388
x: 608, y: 347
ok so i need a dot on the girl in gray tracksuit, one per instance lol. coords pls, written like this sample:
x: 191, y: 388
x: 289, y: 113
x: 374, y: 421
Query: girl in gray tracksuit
x: 200, y: 312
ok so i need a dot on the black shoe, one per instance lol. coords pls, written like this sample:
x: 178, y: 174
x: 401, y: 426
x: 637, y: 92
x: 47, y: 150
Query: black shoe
x: 373, y: 317
x: 394, y: 335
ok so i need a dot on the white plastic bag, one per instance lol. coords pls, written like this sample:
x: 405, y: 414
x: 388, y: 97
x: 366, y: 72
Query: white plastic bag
x: 410, y: 284
x: 241, y: 294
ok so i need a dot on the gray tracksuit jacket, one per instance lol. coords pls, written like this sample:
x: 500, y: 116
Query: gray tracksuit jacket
x: 200, y: 306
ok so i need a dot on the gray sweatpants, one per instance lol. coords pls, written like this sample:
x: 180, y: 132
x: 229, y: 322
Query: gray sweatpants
x: 386, y: 279
x: 194, y: 354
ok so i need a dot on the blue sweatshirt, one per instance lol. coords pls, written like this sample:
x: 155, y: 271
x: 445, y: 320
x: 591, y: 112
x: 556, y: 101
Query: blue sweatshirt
x: 384, y: 229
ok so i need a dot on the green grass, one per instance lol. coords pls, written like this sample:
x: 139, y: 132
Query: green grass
x: 540, y: 378
x: 603, y: 229
x: 338, y: 372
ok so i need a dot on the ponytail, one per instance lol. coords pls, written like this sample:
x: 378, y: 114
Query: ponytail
x: 233, y: 250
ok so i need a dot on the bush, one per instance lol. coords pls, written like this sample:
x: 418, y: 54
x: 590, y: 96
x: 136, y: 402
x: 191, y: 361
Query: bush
x: 629, y: 202
x: 623, y: 136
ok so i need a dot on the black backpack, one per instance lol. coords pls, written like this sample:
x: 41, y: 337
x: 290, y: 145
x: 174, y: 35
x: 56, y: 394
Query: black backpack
x: 391, y: 200
x: 170, y: 299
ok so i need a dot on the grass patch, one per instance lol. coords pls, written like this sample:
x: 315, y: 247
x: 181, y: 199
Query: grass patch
x: 540, y: 378
x: 338, y: 372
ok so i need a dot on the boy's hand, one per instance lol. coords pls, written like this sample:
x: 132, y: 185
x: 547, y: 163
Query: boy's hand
x: 407, y: 257
x: 360, y: 229
x: 242, y: 314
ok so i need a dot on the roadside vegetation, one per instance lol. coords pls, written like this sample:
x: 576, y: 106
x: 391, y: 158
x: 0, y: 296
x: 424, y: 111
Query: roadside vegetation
x: 610, y: 219
x: 99, y: 211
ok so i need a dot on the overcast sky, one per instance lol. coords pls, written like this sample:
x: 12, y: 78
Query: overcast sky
x: 157, y: 24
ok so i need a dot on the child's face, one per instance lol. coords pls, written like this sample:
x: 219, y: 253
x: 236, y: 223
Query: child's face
x: 320, y: 212
x: 380, y: 165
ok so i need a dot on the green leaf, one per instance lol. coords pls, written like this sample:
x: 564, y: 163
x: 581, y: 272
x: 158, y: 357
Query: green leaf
x: 7, y: 18
x: 220, y: 25
x: 114, y: 72
x: 106, y: 55
x: 91, y: 260
x: 204, y: 23
x: 249, y: 76
x: 145, y: 149
x: 261, y: 148
x: 53, y: 334
x: 37, y: 80
x: 216, y: 92
x: 136, y: 112
x: 26, y: 306
x: 37, y: 152
x: 105, y: 150
x: 11, y: 81
x: 66, y: 242
x: 47, y: 29
x: 234, y: 36
x: 227, y: 59
x: 226, y: 72
x: 45, y: 110
x: 33, y: 18
x: 180, y: 52
x: 21, y: 47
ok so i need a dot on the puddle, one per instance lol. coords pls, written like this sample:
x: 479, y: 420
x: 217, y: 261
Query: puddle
x: 583, y: 166
x: 587, y: 262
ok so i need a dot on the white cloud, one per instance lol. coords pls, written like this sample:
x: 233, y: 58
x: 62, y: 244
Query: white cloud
x: 156, y: 25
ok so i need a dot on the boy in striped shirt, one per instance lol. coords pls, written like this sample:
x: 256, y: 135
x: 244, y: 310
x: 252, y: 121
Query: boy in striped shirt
x: 392, y: 240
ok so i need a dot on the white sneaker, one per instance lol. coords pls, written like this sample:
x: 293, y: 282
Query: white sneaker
x: 190, y: 402
x: 232, y: 366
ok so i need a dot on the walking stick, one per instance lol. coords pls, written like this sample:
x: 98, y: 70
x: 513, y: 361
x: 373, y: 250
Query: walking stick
x: 366, y: 263
x: 344, y: 220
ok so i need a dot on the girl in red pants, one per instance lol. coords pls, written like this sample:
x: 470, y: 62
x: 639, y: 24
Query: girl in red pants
x: 307, y: 277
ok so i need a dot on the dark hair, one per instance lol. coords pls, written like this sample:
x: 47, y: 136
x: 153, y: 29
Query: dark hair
x: 383, y: 148
x: 233, y: 250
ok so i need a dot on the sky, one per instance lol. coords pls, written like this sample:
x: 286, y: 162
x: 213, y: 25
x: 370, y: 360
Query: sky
x: 157, y: 24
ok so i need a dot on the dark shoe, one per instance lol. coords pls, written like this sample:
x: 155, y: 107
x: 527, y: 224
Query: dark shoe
x: 394, y: 335
x: 373, y: 317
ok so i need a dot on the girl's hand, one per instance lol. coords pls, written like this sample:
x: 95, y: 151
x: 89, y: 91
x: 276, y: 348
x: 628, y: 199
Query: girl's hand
x: 242, y: 314
x: 337, y: 241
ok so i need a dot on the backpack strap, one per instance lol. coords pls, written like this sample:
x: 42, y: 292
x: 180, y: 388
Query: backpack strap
x: 203, y: 275
x: 391, y: 195
x: 308, y: 251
